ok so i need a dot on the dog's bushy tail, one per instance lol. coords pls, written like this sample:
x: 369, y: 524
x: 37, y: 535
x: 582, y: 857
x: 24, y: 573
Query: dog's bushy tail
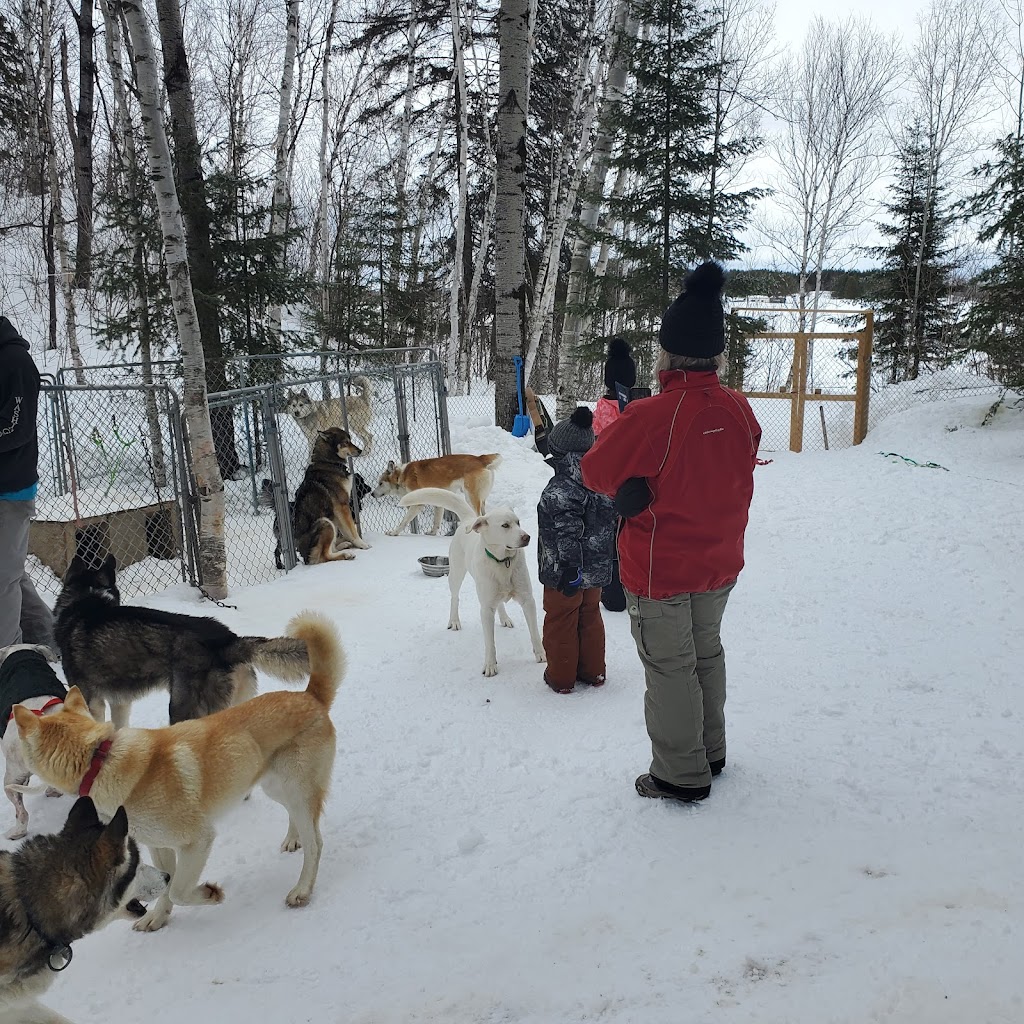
x: 327, y: 661
x: 491, y: 461
x: 439, y: 496
x: 282, y: 657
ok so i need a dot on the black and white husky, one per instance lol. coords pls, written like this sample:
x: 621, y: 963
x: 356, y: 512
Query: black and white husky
x: 56, y: 889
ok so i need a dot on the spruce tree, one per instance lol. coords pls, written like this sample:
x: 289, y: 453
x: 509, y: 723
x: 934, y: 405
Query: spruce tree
x: 995, y: 324
x: 915, y: 322
x: 669, y: 215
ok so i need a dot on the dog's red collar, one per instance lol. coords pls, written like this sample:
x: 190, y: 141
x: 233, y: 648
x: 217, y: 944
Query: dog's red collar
x: 48, y: 704
x: 98, y: 758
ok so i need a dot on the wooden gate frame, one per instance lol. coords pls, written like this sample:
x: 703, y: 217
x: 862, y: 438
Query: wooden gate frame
x: 799, y: 395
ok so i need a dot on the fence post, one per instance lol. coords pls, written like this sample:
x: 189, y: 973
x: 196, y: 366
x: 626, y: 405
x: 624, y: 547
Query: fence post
x: 403, y: 427
x: 865, y: 343
x: 275, y: 460
x: 796, y: 416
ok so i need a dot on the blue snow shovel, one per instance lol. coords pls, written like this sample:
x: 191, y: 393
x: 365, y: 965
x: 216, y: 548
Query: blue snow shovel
x: 522, y: 423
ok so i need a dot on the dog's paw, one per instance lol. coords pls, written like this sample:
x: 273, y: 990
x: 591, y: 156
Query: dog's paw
x: 156, y: 917
x: 491, y: 668
x: 362, y: 545
x: 18, y: 832
x: 540, y: 656
x: 455, y: 624
x: 506, y: 622
x: 298, y: 897
x: 291, y: 844
x: 391, y: 533
x: 52, y: 791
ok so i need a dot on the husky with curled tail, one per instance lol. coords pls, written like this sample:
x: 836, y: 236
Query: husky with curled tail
x: 490, y: 548
x: 175, y: 783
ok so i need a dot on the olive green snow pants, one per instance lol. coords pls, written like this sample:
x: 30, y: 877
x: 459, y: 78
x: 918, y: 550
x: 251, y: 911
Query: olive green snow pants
x: 679, y: 644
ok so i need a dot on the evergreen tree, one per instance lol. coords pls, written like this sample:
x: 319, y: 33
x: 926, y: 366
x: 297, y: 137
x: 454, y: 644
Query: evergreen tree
x: 995, y: 324
x: 915, y: 321
x: 669, y: 214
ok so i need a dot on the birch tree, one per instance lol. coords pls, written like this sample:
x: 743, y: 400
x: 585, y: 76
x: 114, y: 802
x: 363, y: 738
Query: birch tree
x: 593, y: 191
x: 195, y: 211
x: 951, y: 70
x: 510, y: 203
x: 455, y: 303
x: 279, y: 209
x: 835, y: 96
x: 209, y: 484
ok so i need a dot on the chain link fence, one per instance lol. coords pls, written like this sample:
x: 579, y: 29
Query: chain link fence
x: 395, y: 413
x: 112, y: 481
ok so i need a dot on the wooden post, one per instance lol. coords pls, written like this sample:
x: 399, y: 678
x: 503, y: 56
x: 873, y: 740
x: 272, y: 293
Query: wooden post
x: 796, y: 418
x: 865, y: 343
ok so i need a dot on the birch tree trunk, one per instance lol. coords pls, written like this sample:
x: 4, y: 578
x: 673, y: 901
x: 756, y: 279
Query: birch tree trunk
x: 209, y: 484
x: 579, y: 267
x: 282, y: 164
x: 63, y: 268
x: 510, y: 208
x: 574, y: 149
x: 131, y: 169
x: 195, y: 211
x: 455, y: 305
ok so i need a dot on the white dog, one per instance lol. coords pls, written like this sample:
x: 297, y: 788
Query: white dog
x: 28, y: 673
x: 490, y: 549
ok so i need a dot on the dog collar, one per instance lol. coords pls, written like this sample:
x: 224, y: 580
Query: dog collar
x: 507, y: 561
x: 58, y: 954
x: 98, y: 758
x: 48, y: 704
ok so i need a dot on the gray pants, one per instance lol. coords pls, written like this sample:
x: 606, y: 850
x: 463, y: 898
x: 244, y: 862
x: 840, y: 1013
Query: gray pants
x: 679, y: 644
x: 23, y: 616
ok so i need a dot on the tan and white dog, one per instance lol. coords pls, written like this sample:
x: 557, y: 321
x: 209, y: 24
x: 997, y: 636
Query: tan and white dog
x: 314, y: 415
x: 473, y: 475
x: 175, y: 782
x: 490, y: 548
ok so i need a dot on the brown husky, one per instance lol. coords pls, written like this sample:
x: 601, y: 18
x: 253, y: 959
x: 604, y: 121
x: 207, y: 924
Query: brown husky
x: 322, y: 522
x: 471, y: 474
x: 175, y: 782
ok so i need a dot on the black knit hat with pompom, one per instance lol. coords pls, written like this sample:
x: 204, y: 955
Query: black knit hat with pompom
x: 576, y: 434
x: 694, y: 325
x: 619, y: 367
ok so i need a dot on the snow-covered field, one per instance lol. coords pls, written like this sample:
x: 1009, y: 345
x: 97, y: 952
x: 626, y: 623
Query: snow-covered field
x: 487, y: 859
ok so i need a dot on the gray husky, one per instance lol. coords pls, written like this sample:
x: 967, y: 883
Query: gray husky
x: 56, y: 889
x: 116, y: 653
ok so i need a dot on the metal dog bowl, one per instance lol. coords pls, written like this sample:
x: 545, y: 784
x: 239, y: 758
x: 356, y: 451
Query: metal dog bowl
x: 434, y: 565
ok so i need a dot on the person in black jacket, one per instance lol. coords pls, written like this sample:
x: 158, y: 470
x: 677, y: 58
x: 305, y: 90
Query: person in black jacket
x: 574, y: 551
x: 23, y: 616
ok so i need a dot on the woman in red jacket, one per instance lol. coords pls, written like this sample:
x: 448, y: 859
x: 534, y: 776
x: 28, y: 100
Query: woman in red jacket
x: 681, y: 468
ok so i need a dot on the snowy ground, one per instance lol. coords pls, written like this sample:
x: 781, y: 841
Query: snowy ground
x: 487, y: 859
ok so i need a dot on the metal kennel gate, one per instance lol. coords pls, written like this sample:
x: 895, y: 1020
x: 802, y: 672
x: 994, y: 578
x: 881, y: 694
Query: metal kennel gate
x: 409, y: 421
x: 112, y: 480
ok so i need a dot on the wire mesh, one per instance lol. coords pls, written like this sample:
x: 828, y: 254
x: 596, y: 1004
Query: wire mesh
x: 111, y: 468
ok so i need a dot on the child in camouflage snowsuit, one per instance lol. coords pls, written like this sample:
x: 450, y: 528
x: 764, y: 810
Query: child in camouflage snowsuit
x: 577, y: 540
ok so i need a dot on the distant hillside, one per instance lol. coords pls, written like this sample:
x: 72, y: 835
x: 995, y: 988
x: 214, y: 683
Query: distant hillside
x: 843, y: 284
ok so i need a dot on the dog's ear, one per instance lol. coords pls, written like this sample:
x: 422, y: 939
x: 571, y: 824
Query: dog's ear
x: 26, y: 722
x: 108, y: 570
x: 75, y: 702
x: 75, y: 568
x: 82, y: 816
x: 304, y: 394
x: 391, y: 466
x: 117, y: 831
x: 477, y: 525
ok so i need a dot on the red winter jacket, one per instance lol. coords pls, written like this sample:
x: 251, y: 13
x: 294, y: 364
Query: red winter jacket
x: 696, y: 443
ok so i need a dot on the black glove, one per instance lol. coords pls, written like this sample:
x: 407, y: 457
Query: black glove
x: 633, y: 497
x: 570, y: 581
